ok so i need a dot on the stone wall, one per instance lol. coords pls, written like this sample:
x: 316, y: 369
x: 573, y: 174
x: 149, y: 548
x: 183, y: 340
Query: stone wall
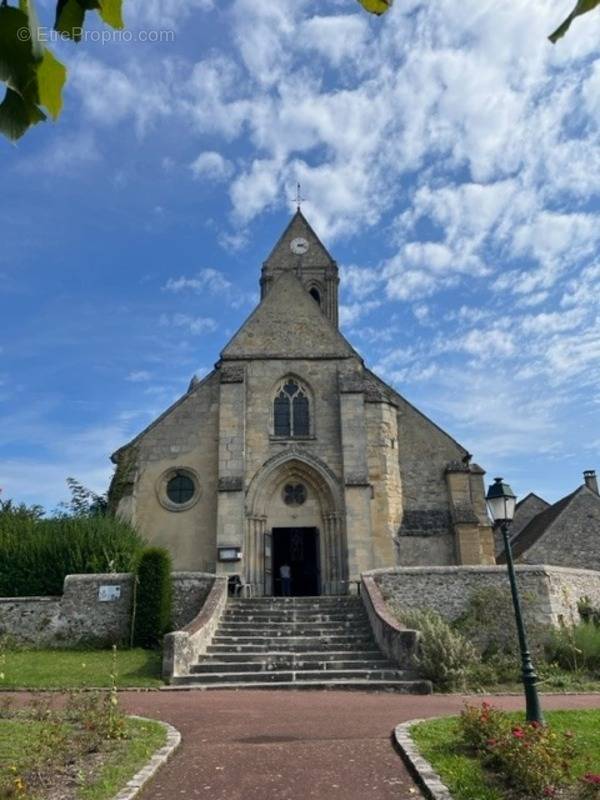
x: 80, y: 616
x: 190, y: 590
x: 552, y: 591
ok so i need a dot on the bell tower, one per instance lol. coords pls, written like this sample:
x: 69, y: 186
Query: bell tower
x: 299, y: 250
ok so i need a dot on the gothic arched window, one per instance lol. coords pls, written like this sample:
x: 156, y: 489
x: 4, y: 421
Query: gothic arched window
x: 291, y: 414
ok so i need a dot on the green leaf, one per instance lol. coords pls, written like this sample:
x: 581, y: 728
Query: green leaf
x: 16, y: 115
x: 377, y: 7
x: 69, y: 18
x: 582, y: 7
x: 111, y: 12
x: 51, y: 76
x: 28, y: 7
x: 17, y: 62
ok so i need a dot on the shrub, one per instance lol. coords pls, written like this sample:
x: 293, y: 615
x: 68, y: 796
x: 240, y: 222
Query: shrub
x: 530, y: 758
x: 489, y: 624
x: 37, y: 554
x: 152, y: 616
x: 575, y: 647
x: 588, y: 612
x: 444, y: 656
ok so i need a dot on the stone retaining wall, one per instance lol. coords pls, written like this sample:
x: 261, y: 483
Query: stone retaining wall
x: 552, y: 592
x: 93, y: 609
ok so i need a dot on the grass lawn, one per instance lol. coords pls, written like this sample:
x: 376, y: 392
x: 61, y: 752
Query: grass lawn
x: 19, y: 738
x: 75, y: 669
x: 438, y: 742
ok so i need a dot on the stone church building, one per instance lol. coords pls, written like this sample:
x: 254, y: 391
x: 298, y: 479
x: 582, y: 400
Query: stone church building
x: 291, y: 451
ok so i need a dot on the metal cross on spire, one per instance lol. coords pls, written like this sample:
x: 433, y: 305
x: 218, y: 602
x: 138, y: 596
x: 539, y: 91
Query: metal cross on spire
x: 299, y: 198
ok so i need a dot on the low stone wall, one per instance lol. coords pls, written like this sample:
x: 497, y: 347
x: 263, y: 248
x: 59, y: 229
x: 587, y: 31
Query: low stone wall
x: 181, y: 648
x: 397, y: 642
x: 550, y: 593
x: 190, y: 590
x: 93, y: 609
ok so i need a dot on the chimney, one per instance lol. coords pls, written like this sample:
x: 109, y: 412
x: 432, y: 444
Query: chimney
x: 589, y: 476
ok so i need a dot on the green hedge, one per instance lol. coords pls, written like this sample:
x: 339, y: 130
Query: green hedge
x: 36, y: 555
x: 153, y: 598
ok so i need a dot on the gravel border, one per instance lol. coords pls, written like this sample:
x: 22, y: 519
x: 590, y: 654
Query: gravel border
x: 421, y: 770
x: 134, y: 786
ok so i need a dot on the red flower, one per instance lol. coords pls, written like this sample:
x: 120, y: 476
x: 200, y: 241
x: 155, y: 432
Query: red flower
x: 592, y: 778
x: 518, y: 733
x: 549, y: 791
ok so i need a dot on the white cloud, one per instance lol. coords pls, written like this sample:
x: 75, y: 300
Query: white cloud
x: 162, y: 14
x: 109, y: 95
x: 214, y: 282
x: 195, y: 325
x: 139, y: 376
x: 211, y: 166
x: 553, y: 322
x: 335, y: 38
x: 65, y: 155
x: 359, y: 281
x: 351, y: 314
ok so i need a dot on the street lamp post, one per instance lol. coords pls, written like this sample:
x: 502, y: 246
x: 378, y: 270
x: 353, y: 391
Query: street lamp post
x: 501, y: 503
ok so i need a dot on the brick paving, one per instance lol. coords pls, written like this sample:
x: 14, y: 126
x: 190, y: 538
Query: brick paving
x: 294, y: 745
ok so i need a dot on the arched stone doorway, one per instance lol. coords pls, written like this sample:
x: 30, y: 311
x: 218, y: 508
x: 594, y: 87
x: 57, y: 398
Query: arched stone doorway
x: 293, y: 494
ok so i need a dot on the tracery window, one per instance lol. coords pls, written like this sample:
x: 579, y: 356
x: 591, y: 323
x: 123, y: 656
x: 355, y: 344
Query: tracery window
x: 291, y: 413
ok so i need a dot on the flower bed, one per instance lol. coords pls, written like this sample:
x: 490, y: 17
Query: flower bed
x: 492, y: 755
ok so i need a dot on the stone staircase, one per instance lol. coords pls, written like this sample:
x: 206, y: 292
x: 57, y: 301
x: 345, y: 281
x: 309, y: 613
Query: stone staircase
x: 297, y: 642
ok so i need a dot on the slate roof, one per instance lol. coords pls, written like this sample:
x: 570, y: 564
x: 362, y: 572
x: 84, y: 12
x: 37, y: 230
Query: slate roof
x: 537, y: 527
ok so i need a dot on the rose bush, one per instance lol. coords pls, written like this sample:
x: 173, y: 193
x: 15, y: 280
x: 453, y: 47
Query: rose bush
x: 529, y: 757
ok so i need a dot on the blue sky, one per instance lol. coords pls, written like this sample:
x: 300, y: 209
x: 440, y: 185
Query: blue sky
x: 451, y: 163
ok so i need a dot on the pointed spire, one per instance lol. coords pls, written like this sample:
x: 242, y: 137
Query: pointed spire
x: 300, y: 251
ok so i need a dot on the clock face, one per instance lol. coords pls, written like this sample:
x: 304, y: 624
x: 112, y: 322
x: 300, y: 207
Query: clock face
x: 299, y: 246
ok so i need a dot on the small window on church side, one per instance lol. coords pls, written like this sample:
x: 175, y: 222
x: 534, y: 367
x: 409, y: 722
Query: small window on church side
x: 316, y: 294
x: 180, y: 489
x: 291, y: 413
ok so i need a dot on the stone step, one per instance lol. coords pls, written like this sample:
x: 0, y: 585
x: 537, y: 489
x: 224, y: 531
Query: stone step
x: 292, y: 641
x: 290, y: 629
x: 277, y: 676
x: 281, y: 646
x: 297, y: 603
x: 335, y: 655
x: 290, y: 664
x: 276, y: 618
x: 357, y: 684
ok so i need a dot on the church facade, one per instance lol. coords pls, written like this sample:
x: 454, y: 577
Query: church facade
x: 292, y: 452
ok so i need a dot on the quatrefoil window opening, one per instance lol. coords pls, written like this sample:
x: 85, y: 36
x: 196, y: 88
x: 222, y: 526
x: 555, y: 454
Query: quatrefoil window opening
x: 294, y: 494
x: 291, y: 410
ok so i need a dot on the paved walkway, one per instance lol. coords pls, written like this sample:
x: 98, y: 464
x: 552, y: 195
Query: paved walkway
x: 289, y: 745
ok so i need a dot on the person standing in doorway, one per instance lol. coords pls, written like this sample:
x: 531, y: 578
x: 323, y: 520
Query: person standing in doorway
x: 285, y: 573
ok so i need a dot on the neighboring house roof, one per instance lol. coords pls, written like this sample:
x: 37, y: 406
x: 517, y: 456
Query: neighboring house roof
x: 538, y: 526
x: 529, y: 497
